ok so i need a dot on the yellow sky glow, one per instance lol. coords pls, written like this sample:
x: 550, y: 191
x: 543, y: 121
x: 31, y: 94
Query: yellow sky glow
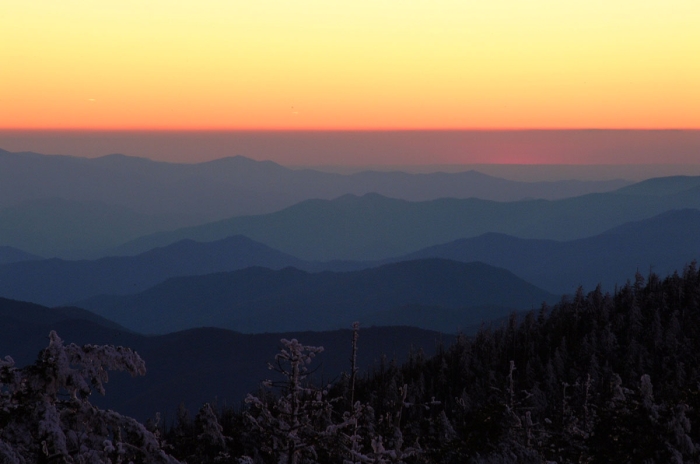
x: 362, y: 64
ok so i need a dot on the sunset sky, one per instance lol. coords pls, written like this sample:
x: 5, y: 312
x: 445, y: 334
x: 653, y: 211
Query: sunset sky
x: 362, y: 64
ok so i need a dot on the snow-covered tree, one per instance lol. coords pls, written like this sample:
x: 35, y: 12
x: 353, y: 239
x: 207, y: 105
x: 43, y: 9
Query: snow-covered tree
x: 46, y: 415
x: 210, y: 443
x: 294, y: 425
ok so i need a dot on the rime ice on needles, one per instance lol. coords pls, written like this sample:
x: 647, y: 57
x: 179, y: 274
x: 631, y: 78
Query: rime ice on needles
x: 47, y: 415
x: 293, y: 426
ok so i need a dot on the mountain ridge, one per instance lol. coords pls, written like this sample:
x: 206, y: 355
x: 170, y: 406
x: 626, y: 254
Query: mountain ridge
x: 192, y: 194
x: 665, y: 242
x: 56, y: 282
x: 258, y: 299
x: 374, y: 227
x: 9, y: 255
x: 219, y: 365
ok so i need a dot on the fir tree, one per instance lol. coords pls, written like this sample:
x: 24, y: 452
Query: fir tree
x: 46, y: 414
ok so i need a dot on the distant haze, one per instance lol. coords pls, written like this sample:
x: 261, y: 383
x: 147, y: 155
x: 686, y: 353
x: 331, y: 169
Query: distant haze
x: 605, y: 153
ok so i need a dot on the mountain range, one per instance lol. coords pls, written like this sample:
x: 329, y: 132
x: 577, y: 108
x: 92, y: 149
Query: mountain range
x: 237, y: 185
x: 664, y: 243
x: 59, y: 227
x: 63, y: 206
x: 374, y: 227
x: 199, y: 365
x: 55, y: 282
x: 10, y: 255
x: 258, y: 300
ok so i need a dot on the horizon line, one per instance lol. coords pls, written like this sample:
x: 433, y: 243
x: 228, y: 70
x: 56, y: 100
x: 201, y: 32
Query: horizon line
x: 358, y: 166
x: 474, y: 129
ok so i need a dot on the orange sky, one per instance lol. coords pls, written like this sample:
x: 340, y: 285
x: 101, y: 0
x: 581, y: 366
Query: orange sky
x: 365, y: 64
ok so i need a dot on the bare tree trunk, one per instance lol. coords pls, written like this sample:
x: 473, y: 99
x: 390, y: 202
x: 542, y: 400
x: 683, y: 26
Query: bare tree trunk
x: 353, y: 362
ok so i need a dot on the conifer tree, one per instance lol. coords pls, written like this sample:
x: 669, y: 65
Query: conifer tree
x: 46, y: 414
x: 294, y: 427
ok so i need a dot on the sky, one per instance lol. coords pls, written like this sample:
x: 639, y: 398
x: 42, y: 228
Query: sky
x: 349, y: 65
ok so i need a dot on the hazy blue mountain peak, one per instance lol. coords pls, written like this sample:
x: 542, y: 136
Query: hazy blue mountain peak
x: 243, y: 161
x: 236, y: 159
x: 662, y: 186
x: 54, y: 282
x: 257, y: 299
x: 682, y: 219
x: 665, y: 243
x: 31, y: 155
x: 14, y: 255
x: 121, y: 159
x: 188, y: 243
x: 364, y: 198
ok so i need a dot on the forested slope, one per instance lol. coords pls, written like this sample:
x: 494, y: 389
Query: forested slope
x: 596, y: 378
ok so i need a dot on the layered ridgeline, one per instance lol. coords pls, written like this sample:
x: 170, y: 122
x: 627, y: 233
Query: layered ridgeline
x: 664, y: 243
x: 61, y: 206
x: 54, y: 282
x: 376, y: 227
x: 58, y: 227
x: 444, y: 295
x: 194, y: 366
x: 238, y: 185
x: 58, y: 206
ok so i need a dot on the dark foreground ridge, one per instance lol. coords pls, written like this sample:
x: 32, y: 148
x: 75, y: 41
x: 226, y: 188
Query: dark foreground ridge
x: 192, y: 366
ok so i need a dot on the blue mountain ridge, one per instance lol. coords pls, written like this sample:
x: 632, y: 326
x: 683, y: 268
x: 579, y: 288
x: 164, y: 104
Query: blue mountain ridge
x: 198, y: 365
x: 262, y: 300
x: 664, y: 243
x: 101, y: 203
x: 374, y: 227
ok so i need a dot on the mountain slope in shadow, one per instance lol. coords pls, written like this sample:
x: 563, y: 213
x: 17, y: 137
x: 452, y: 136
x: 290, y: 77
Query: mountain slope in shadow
x: 9, y: 255
x: 199, y: 365
x: 374, y: 227
x: 663, y: 244
x: 56, y: 282
x: 662, y: 186
x: 263, y: 300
